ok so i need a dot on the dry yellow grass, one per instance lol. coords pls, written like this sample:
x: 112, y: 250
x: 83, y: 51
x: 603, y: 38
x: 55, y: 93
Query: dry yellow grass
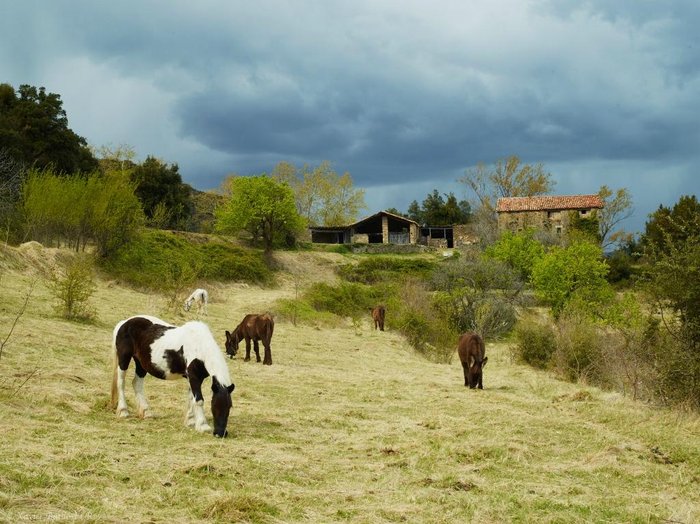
x: 348, y: 425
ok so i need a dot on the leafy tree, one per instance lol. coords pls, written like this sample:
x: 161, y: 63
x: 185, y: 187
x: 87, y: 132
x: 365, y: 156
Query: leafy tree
x: 262, y: 206
x: 76, y: 209
x: 617, y: 206
x: 437, y: 209
x: 584, y: 228
x: 162, y: 193
x: 670, y: 228
x: 521, y: 251
x: 415, y: 213
x: 395, y: 211
x: 322, y: 196
x: 507, y: 178
x: 575, y: 274
x: 34, y: 130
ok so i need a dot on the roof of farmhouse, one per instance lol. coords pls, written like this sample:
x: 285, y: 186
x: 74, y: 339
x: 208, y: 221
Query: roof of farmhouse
x: 548, y: 203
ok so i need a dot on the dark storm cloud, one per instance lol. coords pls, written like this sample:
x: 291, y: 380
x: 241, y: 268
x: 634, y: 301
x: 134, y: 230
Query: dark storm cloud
x: 396, y: 93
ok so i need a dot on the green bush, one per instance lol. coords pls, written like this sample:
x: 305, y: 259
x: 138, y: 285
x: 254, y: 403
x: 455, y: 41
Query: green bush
x: 347, y: 299
x: 72, y: 287
x: 535, y: 344
x: 379, y: 268
x: 299, y: 311
x: 162, y: 260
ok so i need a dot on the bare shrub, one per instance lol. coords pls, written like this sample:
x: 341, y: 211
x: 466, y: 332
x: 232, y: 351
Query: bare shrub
x: 578, y: 353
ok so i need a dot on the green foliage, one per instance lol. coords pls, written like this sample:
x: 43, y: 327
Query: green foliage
x: 621, y: 267
x: 378, y: 268
x: 535, y: 343
x: 166, y: 200
x: 519, y: 250
x: 76, y: 209
x: 412, y: 312
x: 162, y: 261
x: 572, y: 274
x: 437, y: 210
x: 299, y: 311
x: 346, y: 299
x: 585, y: 229
x: 34, y: 131
x: 262, y: 206
x: 72, y: 288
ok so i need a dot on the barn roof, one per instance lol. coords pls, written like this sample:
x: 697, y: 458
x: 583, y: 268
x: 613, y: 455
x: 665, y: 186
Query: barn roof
x: 392, y: 215
x: 548, y: 203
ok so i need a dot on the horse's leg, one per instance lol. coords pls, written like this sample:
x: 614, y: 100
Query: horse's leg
x: 200, y: 421
x: 267, y: 360
x: 257, y: 350
x: 189, y: 416
x: 247, y: 350
x: 465, y: 367
x: 144, y: 410
x: 123, y: 365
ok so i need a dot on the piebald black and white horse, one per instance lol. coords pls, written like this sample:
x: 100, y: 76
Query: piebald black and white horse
x: 168, y: 352
x: 199, y: 297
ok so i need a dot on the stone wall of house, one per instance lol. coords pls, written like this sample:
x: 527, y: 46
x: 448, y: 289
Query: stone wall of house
x: 360, y: 238
x: 556, y: 221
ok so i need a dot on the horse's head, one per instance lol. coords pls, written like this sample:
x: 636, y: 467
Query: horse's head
x: 220, y: 406
x: 232, y: 340
x: 475, y: 372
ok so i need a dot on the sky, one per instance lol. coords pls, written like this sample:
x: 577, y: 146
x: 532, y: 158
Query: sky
x: 406, y: 96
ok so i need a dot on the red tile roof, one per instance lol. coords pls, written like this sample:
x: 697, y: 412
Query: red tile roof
x: 548, y: 203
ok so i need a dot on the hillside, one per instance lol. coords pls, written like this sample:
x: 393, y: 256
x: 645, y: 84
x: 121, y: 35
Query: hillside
x: 348, y: 425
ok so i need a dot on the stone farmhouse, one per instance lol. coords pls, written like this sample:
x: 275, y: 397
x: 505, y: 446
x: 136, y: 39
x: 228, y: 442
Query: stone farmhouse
x: 547, y: 212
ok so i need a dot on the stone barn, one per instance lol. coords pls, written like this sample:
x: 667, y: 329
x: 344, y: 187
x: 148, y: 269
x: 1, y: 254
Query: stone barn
x: 381, y: 228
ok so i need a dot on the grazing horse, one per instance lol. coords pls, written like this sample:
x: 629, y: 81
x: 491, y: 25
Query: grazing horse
x: 169, y: 352
x: 252, y: 327
x: 378, y: 314
x: 199, y: 297
x: 472, y: 352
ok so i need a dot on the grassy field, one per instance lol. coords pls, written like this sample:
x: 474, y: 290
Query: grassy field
x: 348, y: 425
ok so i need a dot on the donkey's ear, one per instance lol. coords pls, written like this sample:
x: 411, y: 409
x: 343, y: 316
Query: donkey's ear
x: 228, y: 335
x: 181, y: 350
x: 483, y: 362
x: 231, y: 388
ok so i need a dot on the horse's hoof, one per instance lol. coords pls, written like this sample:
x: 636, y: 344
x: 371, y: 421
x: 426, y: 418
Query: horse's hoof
x: 146, y: 413
x: 203, y: 428
x: 123, y: 413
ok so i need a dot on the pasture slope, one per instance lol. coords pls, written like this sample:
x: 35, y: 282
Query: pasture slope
x: 348, y: 425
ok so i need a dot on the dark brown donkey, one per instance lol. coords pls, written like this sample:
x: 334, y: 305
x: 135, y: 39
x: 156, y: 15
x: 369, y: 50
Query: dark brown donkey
x: 472, y: 352
x: 252, y: 327
x: 378, y: 314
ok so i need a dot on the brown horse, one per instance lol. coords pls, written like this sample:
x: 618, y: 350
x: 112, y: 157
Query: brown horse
x: 252, y: 327
x: 472, y: 352
x: 378, y: 314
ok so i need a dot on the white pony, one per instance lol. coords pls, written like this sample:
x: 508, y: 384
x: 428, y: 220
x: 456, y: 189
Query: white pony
x: 200, y: 297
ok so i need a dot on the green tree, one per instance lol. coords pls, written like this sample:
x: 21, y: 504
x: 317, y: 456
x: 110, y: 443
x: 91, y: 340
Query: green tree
x: 521, y: 251
x: 34, y: 130
x: 415, y: 213
x: 158, y: 183
x: 670, y: 228
x: 574, y: 274
x: 262, y: 206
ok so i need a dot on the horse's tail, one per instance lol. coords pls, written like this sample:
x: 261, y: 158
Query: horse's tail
x: 115, y: 362
x: 270, y: 328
